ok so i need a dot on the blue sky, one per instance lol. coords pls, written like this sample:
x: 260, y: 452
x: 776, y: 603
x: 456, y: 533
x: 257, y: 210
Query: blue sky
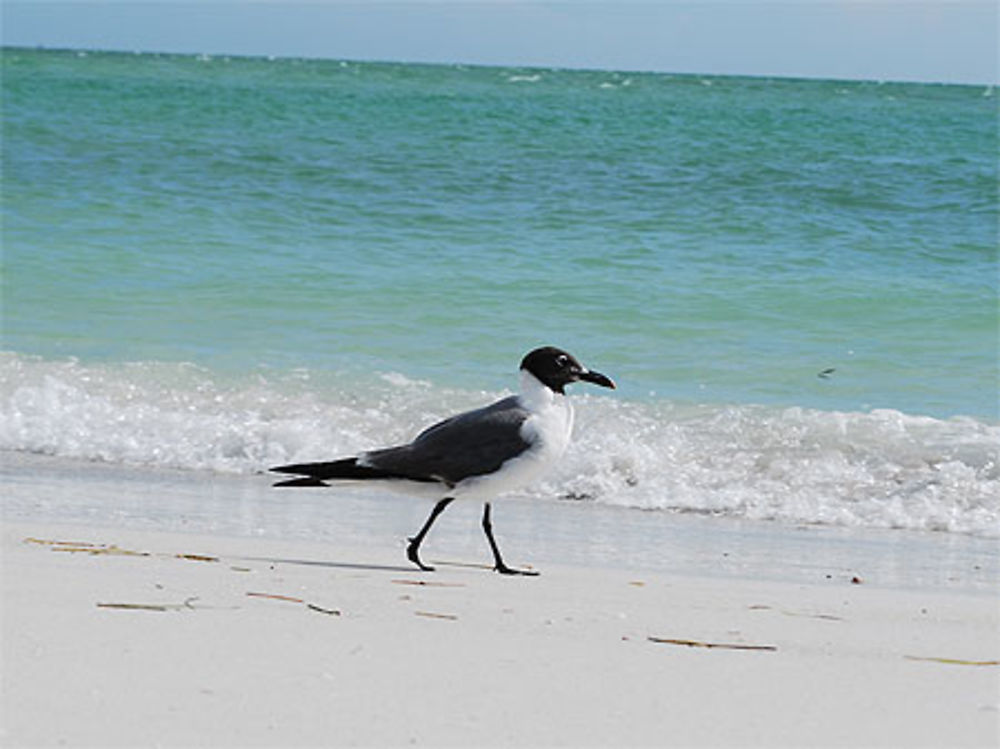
x: 943, y: 40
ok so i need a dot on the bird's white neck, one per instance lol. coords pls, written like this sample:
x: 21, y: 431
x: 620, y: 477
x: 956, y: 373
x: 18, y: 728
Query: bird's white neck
x: 536, y: 396
x: 551, y: 422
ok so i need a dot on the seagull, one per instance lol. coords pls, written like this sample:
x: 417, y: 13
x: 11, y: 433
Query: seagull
x: 477, y: 454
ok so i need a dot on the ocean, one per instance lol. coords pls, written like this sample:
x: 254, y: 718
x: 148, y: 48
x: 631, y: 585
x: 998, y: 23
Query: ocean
x: 218, y: 264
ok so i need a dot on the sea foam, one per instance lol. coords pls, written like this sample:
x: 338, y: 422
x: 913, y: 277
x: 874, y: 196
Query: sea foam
x: 882, y: 468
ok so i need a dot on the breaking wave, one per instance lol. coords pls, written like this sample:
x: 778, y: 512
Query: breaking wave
x: 882, y: 469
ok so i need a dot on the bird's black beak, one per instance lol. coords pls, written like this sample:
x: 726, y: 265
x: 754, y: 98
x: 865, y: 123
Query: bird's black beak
x: 597, y: 378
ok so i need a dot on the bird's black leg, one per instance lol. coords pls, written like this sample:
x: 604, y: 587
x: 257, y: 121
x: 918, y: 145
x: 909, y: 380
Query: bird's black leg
x: 498, y: 563
x: 413, y: 547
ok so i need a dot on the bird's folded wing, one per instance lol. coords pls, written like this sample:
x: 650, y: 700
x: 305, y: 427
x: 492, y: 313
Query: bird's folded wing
x: 470, y: 444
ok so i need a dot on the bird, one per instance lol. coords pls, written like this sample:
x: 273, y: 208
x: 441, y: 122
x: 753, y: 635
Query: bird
x: 477, y: 454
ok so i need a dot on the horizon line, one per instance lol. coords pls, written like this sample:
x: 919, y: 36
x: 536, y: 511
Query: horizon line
x: 523, y: 66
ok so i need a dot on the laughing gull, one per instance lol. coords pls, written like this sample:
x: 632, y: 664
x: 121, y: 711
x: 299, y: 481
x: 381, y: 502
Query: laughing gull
x: 476, y: 454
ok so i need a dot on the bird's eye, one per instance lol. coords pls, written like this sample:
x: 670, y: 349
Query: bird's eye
x: 562, y: 360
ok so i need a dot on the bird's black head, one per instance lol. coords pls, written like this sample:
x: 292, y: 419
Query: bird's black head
x: 556, y: 369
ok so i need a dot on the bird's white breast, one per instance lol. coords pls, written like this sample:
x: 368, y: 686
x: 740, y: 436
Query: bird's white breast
x: 547, y: 430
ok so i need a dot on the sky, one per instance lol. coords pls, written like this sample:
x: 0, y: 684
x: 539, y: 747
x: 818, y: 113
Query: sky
x: 953, y: 41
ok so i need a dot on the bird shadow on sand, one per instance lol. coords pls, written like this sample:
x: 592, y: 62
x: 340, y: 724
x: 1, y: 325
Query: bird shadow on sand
x: 333, y: 564
x: 372, y: 567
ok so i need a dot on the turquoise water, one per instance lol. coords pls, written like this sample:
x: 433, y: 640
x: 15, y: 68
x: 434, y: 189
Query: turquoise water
x: 246, y: 240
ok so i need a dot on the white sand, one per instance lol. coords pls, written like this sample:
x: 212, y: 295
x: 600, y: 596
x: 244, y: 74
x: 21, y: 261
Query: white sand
x: 468, y: 658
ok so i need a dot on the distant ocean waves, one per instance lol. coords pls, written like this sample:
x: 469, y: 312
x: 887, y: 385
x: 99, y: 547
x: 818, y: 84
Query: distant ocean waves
x: 723, y: 242
x: 882, y: 469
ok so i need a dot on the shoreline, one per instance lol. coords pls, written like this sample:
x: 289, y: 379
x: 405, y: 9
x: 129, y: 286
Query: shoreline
x: 570, y: 533
x: 120, y: 637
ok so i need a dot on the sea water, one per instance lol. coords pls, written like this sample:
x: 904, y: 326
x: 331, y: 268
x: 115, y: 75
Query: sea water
x: 220, y: 264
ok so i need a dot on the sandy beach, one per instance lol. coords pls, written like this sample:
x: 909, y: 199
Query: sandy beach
x: 119, y: 637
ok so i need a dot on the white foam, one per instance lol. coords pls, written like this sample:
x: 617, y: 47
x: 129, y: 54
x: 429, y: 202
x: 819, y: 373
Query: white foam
x: 182, y: 416
x: 880, y: 469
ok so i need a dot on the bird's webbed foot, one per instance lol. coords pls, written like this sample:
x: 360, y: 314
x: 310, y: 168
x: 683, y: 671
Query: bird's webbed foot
x: 503, y: 569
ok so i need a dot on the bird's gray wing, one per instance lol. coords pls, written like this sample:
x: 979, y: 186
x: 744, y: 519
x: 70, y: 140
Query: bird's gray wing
x: 469, y: 444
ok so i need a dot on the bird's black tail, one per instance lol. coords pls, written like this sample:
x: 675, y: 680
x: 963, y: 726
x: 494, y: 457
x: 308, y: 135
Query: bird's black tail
x: 315, y: 474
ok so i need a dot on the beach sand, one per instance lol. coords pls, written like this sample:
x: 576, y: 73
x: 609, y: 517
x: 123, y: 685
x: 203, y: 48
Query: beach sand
x: 122, y: 637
